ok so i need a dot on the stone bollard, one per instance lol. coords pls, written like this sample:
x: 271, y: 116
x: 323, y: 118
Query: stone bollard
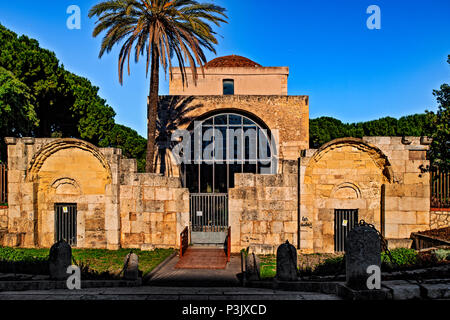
x: 287, y: 262
x: 131, y: 267
x: 363, y: 249
x: 252, y: 267
x: 59, y: 259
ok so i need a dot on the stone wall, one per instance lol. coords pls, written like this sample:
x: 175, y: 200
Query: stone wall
x: 263, y: 210
x: 116, y: 206
x: 439, y: 218
x: 43, y: 172
x: 153, y: 209
x: 286, y: 116
x: 407, y: 199
x: 350, y: 173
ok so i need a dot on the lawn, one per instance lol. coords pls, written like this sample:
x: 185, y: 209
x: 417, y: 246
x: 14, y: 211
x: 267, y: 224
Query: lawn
x: 95, y: 261
x: 317, y: 264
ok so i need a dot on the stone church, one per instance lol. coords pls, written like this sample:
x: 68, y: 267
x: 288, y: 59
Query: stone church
x: 95, y: 198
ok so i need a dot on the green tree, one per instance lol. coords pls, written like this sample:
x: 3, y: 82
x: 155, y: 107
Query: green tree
x: 17, y: 114
x: 92, y: 119
x: 131, y: 143
x: 440, y: 146
x: 159, y: 29
x: 324, y: 129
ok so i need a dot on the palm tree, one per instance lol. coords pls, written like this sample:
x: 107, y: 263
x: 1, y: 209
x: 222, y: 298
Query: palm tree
x: 158, y: 29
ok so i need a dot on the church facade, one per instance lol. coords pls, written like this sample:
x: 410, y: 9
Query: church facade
x: 234, y: 160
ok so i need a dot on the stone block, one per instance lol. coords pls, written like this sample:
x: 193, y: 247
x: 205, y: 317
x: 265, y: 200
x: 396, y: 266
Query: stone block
x: 413, y: 178
x: 149, y: 193
x: 162, y: 193
x: 276, y: 227
x: 153, y: 206
x: 260, y: 227
x: 414, y: 204
x: 423, y: 217
x: 246, y: 227
x: 400, y: 217
x: 290, y: 226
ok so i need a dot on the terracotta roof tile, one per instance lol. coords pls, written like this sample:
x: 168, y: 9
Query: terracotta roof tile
x: 231, y: 61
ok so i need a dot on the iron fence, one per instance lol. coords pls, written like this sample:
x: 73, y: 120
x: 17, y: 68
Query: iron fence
x: 440, y: 188
x: 209, y: 212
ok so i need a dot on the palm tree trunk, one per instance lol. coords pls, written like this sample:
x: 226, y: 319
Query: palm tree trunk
x: 152, y: 111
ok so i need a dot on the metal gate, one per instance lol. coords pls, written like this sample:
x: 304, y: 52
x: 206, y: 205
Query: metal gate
x: 208, y: 217
x: 344, y: 221
x: 66, y: 222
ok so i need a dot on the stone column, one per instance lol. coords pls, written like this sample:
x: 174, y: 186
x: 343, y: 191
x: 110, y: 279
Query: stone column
x: 112, y: 199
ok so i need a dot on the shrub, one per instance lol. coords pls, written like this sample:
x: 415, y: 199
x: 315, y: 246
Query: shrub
x: 400, y: 256
x: 442, y: 254
x: 331, y: 266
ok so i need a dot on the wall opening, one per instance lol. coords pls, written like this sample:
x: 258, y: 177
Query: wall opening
x: 228, y: 87
x: 66, y: 222
x: 344, y: 221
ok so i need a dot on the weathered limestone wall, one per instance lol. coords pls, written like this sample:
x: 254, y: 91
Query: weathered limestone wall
x: 286, y: 116
x: 3, y: 218
x: 407, y: 201
x: 349, y: 173
x: 3, y: 223
x: 43, y: 172
x: 439, y: 219
x: 116, y: 206
x: 342, y: 175
x: 153, y: 209
x: 263, y: 210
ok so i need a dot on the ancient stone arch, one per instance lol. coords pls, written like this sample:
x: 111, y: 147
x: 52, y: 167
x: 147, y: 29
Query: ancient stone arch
x: 70, y: 171
x: 378, y: 157
x: 47, y: 150
x: 343, y: 174
x: 66, y: 186
x: 346, y: 190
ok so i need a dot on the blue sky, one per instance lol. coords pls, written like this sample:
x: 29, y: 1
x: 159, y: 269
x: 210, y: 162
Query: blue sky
x: 350, y: 72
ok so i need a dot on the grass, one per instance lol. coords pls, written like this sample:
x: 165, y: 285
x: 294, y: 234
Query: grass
x: 95, y: 260
x: 268, y: 266
x: 317, y: 264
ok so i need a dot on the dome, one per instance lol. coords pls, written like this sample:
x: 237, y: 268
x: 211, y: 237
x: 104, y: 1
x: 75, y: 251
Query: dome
x: 232, y: 61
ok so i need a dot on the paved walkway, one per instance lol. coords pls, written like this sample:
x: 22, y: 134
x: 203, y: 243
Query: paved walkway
x: 170, y: 276
x: 164, y: 293
x: 203, y: 258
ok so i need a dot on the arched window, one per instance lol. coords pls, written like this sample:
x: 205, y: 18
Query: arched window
x: 227, y: 143
x: 228, y: 86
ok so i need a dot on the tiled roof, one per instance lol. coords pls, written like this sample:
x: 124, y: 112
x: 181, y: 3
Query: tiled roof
x: 231, y: 61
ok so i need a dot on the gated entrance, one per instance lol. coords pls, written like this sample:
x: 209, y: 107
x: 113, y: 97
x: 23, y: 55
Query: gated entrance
x: 221, y: 146
x: 344, y: 221
x: 66, y: 222
x: 208, y: 218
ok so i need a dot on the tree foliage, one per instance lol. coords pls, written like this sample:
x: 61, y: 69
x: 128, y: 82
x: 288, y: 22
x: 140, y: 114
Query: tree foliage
x: 39, y: 98
x: 158, y: 30
x: 439, y: 123
x: 132, y: 144
x: 324, y: 129
x: 17, y: 111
